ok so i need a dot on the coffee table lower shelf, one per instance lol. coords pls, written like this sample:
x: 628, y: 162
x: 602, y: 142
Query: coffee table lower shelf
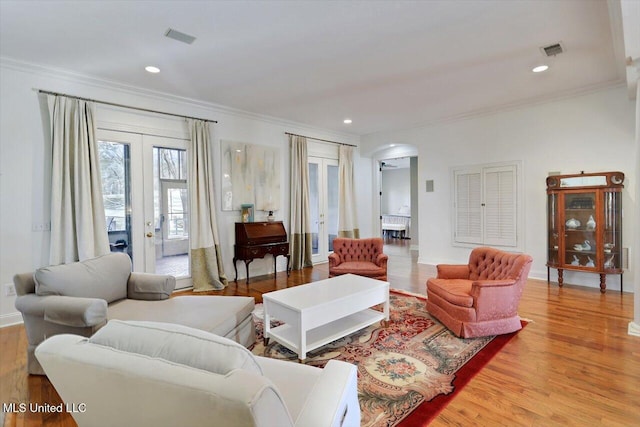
x: 317, y: 337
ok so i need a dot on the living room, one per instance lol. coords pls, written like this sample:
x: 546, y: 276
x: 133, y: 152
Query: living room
x: 590, y: 128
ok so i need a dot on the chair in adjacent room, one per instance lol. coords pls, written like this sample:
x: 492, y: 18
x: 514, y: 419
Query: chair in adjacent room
x: 363, y: 257
x: 480, y: 298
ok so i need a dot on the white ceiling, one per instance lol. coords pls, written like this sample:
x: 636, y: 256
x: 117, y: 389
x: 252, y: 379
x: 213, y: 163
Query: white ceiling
x: 385, y: 64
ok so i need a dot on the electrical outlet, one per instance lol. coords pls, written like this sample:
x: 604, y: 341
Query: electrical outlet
x: 9, y: 290
x: 45, y: 226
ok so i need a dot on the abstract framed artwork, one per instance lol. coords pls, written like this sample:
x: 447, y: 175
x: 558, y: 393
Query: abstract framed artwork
x: 250, y: 175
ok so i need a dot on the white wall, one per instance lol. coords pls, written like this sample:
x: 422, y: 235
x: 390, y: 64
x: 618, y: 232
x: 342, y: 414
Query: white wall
x: 396, y: 190
x: 591, y: 133
x: 23, y: 173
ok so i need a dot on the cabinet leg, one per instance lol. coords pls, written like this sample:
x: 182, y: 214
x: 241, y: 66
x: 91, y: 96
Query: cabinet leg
x: 235, y: 267
x: 603, y: 283
x: 548, y: 276
x: 289, y: 262
x: 560, y: 278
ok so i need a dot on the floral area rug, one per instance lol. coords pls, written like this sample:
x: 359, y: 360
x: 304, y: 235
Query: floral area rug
x: 413, y: 360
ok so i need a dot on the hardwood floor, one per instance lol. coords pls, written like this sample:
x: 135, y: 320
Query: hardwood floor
x: 573, y: 365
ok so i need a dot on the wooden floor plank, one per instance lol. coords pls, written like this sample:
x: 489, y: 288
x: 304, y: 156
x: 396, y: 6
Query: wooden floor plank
x: 573, y: 365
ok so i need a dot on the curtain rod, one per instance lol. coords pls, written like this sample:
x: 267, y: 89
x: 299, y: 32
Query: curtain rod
x: 113, y: 104
x: 318, y: 139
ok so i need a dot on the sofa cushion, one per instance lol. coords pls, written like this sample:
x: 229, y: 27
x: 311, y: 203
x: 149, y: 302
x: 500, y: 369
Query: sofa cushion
x: 211, y: 313
x: 361, y: 268
x: 103, y: 277
x: 454, y: 291
x: 176, y: 343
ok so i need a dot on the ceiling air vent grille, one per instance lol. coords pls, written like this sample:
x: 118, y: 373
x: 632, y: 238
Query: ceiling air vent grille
x: 181, y: 37
x: 553, y: 49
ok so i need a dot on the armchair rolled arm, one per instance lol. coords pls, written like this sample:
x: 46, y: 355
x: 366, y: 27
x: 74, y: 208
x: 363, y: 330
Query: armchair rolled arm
x: 150, y: 287
x: 62, y: 310
x: 334, y: 398
x: 381, y: 260
x: 453, y: 271
x: 334, y: 260
x: 489, y: 295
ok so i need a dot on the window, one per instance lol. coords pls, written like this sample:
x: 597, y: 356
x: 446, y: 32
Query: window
x: 486, y: 206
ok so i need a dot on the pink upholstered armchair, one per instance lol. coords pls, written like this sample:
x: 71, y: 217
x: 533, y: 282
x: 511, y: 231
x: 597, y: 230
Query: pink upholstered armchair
x: 480, y: 298
x: 363, y: 257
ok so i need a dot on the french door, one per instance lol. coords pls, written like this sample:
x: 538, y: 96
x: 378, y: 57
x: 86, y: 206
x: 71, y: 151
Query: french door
x: 144, y: 180
x: 323, y: 189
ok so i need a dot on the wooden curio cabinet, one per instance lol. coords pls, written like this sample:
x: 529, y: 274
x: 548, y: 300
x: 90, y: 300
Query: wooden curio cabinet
x: 584, y: 221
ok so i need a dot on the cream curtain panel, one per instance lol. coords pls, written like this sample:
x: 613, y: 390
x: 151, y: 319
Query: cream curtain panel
x: 78, y: 226
x: 300, y: 220
x: 207, y: 270
x: 347, y: 218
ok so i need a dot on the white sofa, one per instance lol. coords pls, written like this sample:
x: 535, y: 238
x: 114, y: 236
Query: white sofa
x: 78, y: 298
x: 157, y: 374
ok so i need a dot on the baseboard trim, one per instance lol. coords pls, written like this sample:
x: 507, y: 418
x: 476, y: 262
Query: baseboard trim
x: 634, y: 329
x: 10, y: 319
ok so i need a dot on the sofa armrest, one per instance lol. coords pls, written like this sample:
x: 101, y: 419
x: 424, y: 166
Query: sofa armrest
x: 334, y: 260
x: 333, y: 401
x: 68, y: 311
x: 453, y: 271
x: 24, y: 283
x: 489, y: 294
x: 150, y: 287
x: 381, y: 260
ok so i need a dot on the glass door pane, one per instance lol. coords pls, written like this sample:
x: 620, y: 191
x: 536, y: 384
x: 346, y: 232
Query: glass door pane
x: 553, y: 229
x: 331, y: 219
x: 114, y: 160
x: 314, y: 206
x: 323, y: 189
x: 580, y: 229
x: 612, y: 231
x: 171, y: 212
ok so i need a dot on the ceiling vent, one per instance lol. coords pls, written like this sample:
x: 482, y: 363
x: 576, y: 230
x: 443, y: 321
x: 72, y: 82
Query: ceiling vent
x: 181, y: 37
x: 553, y: 49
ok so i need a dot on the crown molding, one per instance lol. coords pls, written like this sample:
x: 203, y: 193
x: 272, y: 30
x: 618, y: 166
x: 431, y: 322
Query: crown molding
x: 151, y: 95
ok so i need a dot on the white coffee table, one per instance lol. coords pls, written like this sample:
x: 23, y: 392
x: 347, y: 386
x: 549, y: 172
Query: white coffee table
x: 318, y: 313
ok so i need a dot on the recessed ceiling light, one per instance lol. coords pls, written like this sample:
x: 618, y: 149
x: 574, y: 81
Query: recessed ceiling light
x: 348, y: 121
x: 392, y: 145
x: 540, y: 68
x: 152, y: 69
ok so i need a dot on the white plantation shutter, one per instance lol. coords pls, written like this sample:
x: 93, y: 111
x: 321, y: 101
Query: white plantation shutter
x: 468, y: 212
x: 500, y: 206
x: 486, y: 205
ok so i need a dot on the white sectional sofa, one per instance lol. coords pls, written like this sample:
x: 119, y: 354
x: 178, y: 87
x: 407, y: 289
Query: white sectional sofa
x: 79, y: 298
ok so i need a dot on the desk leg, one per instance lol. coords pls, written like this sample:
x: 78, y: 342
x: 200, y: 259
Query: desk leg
x: 275, y: 267
x: 246, y: 265
x: 235, y: 267
x: 289, y: 268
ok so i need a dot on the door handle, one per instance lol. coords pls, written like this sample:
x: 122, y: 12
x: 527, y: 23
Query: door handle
x: 149, y: 234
